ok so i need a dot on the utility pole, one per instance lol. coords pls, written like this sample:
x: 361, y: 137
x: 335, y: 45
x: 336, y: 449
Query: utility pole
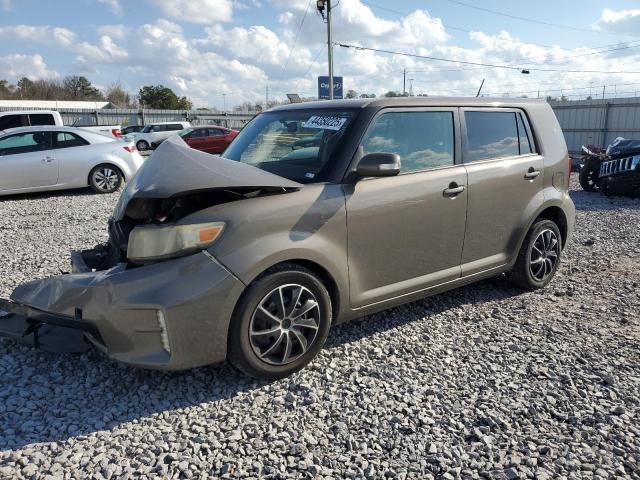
x: 266, y: 101
x: 321, y: 5
x: 224, y: 102
x: 604, y: 87
x: 404, y: 82
x: 411, y: 87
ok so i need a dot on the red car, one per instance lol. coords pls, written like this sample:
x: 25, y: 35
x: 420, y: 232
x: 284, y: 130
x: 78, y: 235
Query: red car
x: 208, y: 138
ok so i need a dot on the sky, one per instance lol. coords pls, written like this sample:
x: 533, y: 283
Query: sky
x: 224, y: 52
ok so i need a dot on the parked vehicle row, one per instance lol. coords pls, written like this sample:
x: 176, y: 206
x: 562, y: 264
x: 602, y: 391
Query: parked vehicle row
x: 154, y: 132
x: 254, y: 255
x: 34, y: 159
x: 206, y: 138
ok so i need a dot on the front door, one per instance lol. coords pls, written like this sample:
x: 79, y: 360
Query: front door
x: 406, y: 233
x: 27, y: 160
x: 505, y: 185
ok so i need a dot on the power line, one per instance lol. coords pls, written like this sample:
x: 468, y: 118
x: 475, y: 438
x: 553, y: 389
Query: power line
x: 295, y: 40
x: 491, y: 65
x: 531, y: 20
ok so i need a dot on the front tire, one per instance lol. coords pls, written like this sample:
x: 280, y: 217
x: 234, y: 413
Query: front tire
x: 105, y: 179
x: 588, y: 176
x: 280, y: 323
x: 539, y: 256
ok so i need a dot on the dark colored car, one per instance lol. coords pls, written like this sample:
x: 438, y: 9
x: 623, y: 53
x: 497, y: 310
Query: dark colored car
x: 253, y: 256
x: 131, y: 129
x: 208, y: 139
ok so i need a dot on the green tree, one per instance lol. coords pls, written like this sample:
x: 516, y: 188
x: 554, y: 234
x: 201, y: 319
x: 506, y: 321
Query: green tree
x: 80, y: 88
x: 6, y: 90
x: 161, y: 97
x: 391, y: 93
x: 351, y: 94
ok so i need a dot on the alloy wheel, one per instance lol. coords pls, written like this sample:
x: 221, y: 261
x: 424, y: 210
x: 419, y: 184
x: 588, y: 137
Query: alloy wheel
x: 106, y: 179
x: 545, y: 252
x: 285, y: 324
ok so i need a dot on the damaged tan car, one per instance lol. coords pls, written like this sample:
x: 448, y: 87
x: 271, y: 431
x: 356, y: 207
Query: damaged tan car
x: 316, y: 213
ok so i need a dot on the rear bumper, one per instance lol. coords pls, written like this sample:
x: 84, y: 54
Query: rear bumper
x: 170, y: 315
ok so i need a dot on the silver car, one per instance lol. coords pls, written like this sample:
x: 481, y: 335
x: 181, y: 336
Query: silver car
x: 35, y: 159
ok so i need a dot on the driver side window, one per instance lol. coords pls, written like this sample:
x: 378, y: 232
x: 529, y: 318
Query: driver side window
x: 423, y: 139
x: 25, y: 143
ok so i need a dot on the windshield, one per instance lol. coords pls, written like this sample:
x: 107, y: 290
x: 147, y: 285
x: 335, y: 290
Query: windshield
x: 294, y: 144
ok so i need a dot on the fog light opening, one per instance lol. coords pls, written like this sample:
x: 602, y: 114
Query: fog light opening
x: 164, y: 337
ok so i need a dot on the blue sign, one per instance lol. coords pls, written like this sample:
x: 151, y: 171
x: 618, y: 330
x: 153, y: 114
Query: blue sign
x: 323, y: 87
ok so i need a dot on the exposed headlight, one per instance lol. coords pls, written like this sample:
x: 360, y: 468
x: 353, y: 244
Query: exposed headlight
x: 152, y: 242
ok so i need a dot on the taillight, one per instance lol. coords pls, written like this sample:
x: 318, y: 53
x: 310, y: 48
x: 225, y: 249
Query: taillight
x: 130, y: 149
x: 116, y: 132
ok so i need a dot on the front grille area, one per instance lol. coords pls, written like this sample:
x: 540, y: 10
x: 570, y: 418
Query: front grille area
x: 620, y: 165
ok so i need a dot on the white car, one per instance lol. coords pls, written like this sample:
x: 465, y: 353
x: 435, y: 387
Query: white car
x: 34, y: 159
x: 154, y: 132
x: 33, y: 118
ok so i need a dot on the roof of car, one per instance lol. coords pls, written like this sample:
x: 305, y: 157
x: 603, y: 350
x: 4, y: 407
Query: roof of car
x: 56, y: 128
x: 411, y: 102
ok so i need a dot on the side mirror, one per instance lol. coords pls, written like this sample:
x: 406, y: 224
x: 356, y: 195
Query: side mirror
x: 379, y: 165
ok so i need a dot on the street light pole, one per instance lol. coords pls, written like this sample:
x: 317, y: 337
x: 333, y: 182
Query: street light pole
x: 321, y: 5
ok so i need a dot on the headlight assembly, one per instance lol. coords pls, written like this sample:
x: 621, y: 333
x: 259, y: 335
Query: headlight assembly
x: 152, y: 242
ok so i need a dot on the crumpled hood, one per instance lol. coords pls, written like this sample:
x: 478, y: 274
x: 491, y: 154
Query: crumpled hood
x: 175, y: 168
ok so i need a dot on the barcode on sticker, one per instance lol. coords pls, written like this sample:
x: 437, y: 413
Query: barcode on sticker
x: 327, y: 123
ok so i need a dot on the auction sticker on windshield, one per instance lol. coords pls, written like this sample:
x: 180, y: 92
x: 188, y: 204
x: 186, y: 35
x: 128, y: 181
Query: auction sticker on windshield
x: 327, y: 123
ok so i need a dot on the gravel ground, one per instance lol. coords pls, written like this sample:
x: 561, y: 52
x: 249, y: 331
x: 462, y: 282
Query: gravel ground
x: 482, y: 382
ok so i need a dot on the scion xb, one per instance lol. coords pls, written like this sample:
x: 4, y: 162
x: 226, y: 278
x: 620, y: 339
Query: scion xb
x: 254, y: 255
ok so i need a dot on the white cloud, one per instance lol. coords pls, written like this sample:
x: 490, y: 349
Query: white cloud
x: 621, y: 21
x: 114, y: 31
x: 6, y: 4
x: 16, y: 66
x: 197, y: 11
x: 114, y: 5
x: 40, y: 34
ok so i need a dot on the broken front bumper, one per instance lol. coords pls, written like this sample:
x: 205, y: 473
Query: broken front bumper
x: 169, y: 315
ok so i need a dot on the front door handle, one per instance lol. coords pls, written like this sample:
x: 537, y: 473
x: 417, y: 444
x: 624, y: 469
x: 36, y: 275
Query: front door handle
x: 47, y: 159
x: 453, y: 191
x: 531, y: 174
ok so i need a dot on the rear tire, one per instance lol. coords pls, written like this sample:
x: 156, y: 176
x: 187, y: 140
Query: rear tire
x: 280, y: 323
x: 539, y: 256
x: 588, y: 176
x: 105, y: 178
x: 142, y: 145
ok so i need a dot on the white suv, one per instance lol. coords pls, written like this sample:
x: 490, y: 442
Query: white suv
x: 154, y: 132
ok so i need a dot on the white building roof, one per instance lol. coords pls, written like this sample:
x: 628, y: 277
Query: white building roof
x: 51, y: 104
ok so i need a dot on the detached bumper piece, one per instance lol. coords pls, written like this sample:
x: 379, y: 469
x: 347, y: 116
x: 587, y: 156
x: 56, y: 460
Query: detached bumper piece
x: 50, y: 332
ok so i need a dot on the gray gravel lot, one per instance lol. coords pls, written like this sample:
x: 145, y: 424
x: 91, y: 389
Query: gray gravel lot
x: 482, y: 382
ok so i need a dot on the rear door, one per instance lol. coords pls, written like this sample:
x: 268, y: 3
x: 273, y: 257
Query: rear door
x: 405, y: 233
x: 217, y: 140
x: 73, y: 154
x: 505, y: 184
x: 27, y: 160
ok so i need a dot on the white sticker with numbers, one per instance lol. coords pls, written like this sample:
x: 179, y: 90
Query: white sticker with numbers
x: 326, y: 123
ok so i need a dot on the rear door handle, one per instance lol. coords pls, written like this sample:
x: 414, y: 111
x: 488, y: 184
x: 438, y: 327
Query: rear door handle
x: 531, y: 174
x: 453, y: 191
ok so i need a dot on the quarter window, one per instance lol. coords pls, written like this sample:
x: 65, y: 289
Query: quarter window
x: 13, y: 121
x: 25, y: 143
x: 67, y: 140
x: 495, y: 135
x: 422, y: 139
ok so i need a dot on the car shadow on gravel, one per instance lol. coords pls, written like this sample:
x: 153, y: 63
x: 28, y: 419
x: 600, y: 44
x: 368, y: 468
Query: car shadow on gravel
x: 46, y: 397
x: 76, y: 192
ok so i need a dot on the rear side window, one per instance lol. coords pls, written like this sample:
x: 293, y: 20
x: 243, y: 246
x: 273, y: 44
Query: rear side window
x: 216, y: 132
x: 25, y: 143
x: 496, y: 135
x: 41, y: 119
x: 174, y: 126
x: 67, y: 140
x: 422, y: 139
x: 13, y: 121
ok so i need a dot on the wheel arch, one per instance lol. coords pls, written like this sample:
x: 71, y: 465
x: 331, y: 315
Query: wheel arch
x: 557, y: 216
x: 321, y: 272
